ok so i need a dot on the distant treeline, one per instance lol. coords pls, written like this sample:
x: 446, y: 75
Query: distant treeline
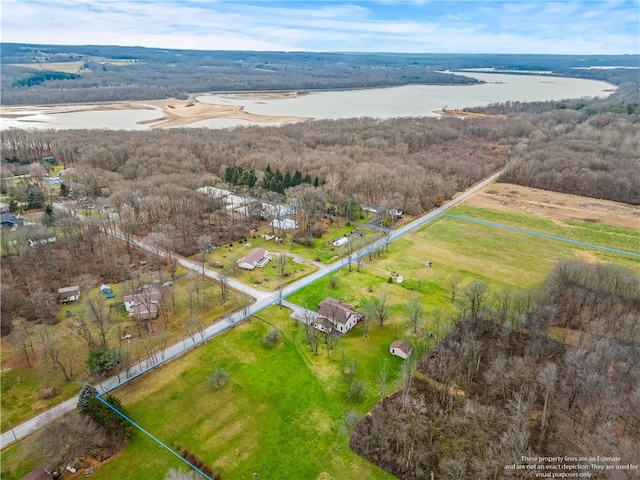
x: 135, y: 73
x: 42, y: 77
x: 584, y: 147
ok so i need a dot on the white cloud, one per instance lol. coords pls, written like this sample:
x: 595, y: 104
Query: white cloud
x: 488, y: 26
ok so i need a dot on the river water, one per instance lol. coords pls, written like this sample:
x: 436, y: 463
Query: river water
x: 390, y: 102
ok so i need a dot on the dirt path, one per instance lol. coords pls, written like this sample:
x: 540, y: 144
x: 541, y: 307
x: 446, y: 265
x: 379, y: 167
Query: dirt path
x: 559, y: 207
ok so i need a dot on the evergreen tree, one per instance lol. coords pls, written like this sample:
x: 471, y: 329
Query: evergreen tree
x: 87, y: 393
x: 35, y: 196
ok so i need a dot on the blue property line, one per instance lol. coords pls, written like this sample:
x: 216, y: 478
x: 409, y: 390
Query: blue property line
x: 539, y: 234
x: 154, y: 438
x: 337, y: 266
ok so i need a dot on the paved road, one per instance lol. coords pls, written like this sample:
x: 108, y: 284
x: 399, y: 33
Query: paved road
x: 263, y: 300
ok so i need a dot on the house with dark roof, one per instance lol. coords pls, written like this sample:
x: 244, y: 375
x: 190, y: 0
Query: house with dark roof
x: 10, y: 220
x: 256, y: 258
x: 144, y: 305
x: 323, y: 324
x: 340, y: 315
x: 38, y: 473
x: 400, y: 348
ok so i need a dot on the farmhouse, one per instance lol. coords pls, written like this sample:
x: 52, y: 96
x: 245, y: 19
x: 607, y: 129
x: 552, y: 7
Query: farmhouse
x: 258, y: 257
x: 400, y: 348
x: 68, y: 294
x: 144, y: 305
x: 339, y: 314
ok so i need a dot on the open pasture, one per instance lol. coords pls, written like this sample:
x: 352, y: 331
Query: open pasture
x: 282, y: 412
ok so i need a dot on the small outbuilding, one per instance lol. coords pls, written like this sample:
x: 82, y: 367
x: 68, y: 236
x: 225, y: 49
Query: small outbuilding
x: 400, y: 348
x: 69, y: 294
x: 341, y: 241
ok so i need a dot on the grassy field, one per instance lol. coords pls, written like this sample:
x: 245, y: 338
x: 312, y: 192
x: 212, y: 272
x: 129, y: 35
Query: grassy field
x: 282, y: 412
x: 597, y: 234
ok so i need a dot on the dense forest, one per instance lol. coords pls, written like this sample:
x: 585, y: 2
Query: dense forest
x: 520, y: 375
x: 145, y: 183
x: 110, y: 73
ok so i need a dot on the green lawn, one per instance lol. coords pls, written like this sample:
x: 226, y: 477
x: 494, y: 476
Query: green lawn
x: 321, y: 250
x: 282, y: 412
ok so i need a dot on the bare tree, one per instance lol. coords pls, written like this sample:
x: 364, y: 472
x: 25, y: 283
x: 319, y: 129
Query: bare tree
x: 475, y: 293
x: 547, y: 377
x: 415, y: 312
x: 205, y: 245
x: 351, y: 247
x: 45, y: 306
x: 53, y: 352
x: 383, y: 372
x: 223, y: 282
x: 66, y: 440
x: 282, y: 264
x: 81, y: 326
x: 100, y: 314
x: 23, y: 338
x: 377, y: 308
x: 454, y: 287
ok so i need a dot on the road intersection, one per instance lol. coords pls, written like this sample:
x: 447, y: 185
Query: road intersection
x: 262, y: 300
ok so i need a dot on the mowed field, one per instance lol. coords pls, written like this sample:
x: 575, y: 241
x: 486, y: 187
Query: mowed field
x: 281, y: 414
x: 65, y: 67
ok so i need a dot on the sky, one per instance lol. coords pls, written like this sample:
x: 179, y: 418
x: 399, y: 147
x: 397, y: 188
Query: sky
x: 418, y: 26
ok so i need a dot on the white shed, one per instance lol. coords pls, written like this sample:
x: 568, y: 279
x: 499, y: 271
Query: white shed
x: 400, y: 348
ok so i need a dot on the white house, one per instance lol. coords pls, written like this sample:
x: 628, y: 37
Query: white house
x: 341, y: 241
x: 400, y: 348
x: 339, y: 314
x: 258, y: 257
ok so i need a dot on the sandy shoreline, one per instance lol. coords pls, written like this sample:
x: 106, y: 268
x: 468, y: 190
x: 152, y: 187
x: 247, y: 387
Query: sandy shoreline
x: 171, y: 112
